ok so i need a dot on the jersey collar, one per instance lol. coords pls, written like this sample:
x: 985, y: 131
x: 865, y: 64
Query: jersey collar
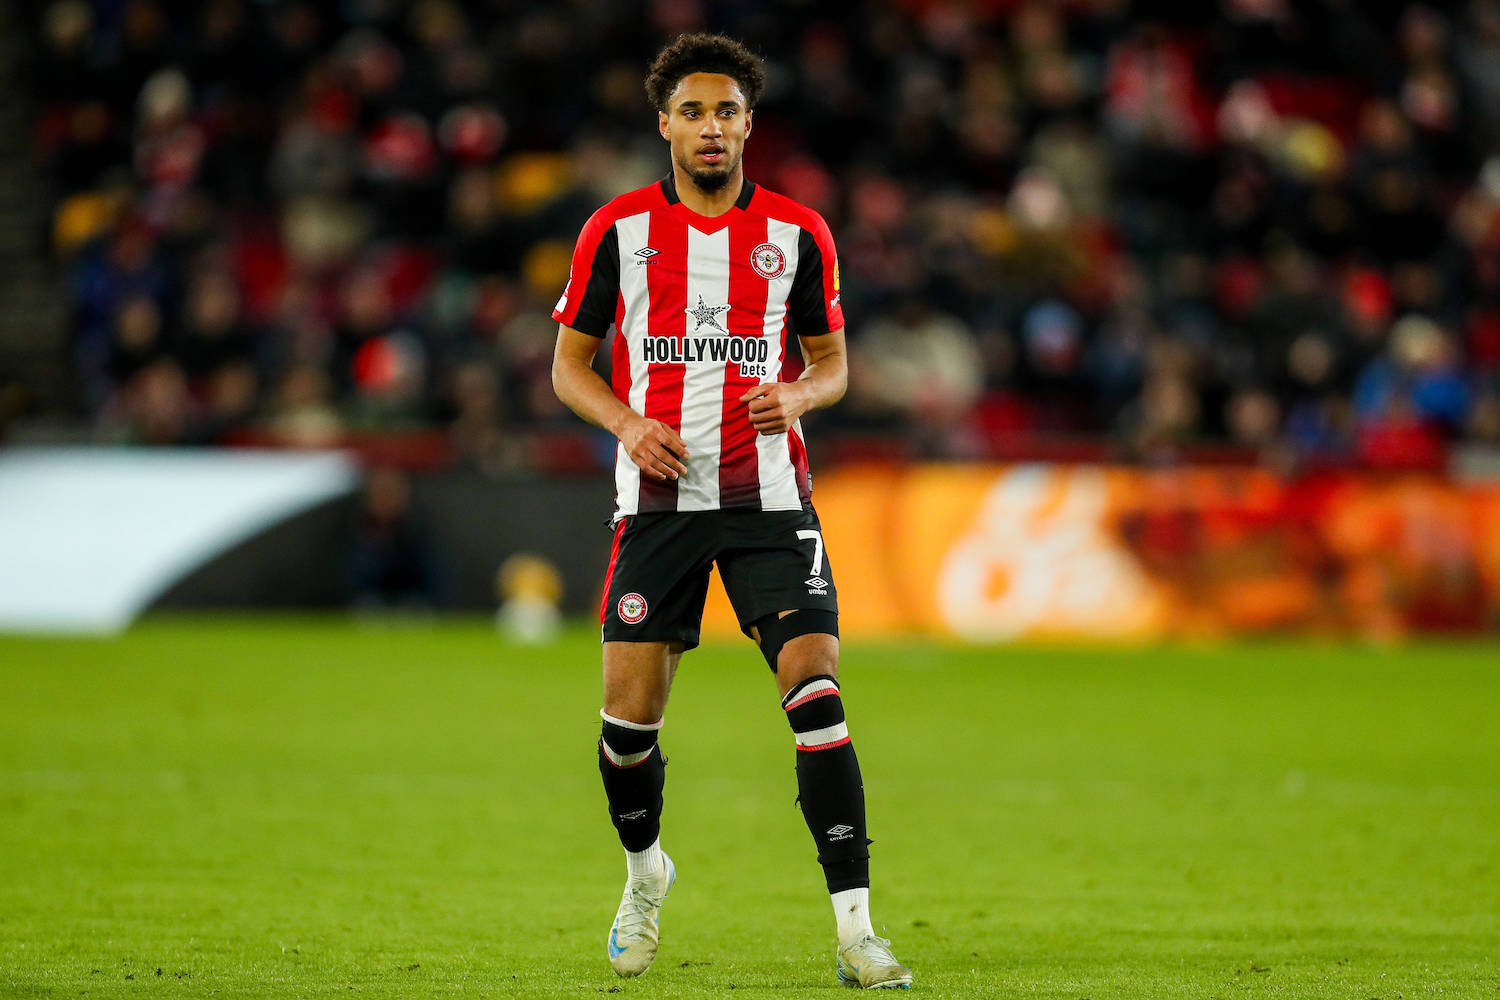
x: 705, y: 223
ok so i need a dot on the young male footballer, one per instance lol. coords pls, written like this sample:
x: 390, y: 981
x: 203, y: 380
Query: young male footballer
x: 700, y: 275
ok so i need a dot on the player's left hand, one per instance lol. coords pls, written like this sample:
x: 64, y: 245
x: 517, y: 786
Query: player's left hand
x: 775, y: 406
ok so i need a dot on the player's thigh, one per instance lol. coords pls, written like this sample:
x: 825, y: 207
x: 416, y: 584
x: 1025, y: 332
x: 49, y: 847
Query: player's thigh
x: 773, y: 562
x: 657, y: 580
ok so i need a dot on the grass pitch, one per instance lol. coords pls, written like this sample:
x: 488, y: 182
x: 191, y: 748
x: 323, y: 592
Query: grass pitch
x: 273, y: 808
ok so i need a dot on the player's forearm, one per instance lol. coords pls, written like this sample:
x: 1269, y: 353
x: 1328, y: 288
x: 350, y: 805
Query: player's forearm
x: 826, y: 379
x: 584, y: 392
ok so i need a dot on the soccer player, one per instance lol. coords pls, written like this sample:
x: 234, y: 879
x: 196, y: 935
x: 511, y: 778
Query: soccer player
x: 700, y: 274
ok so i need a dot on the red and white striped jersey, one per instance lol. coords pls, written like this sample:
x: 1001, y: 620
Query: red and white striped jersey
x: 701, y: 306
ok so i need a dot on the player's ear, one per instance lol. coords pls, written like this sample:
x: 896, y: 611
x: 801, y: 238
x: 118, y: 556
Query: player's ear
x: 661, y: 125
x: 749, y: 120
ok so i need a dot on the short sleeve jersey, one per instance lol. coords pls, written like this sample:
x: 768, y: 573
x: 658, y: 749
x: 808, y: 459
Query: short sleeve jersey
x: 701, y: 308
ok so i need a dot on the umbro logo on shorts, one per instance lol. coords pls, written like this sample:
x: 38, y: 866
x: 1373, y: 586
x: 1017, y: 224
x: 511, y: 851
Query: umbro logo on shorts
x: 840, y: 832
x: 816, y: 585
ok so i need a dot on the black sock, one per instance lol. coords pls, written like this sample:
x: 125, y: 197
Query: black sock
x: 634, y: 772
x: 829, y: 786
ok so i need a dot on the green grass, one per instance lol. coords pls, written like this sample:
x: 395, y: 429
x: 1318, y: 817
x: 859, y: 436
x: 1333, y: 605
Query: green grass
x: 273, y: 808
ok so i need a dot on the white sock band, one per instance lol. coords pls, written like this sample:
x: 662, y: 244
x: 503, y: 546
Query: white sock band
x: 644, y: 727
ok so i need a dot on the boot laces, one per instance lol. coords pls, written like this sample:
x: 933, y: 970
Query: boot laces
x: 637, y: 916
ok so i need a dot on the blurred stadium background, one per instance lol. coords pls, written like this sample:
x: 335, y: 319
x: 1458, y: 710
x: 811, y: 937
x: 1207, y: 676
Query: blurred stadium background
x: 1196, y: 303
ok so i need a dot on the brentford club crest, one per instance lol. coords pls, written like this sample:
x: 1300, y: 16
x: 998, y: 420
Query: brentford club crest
x: 768, y: 260
x: 631, y: 609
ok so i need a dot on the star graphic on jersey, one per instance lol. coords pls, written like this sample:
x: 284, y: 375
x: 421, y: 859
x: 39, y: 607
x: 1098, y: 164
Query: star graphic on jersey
x: 706, y: 314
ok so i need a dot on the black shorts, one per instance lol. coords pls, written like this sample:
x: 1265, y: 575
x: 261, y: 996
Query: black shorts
x: 657, y: 582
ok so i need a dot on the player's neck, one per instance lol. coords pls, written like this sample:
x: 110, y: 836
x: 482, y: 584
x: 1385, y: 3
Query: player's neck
x: 708, y: 203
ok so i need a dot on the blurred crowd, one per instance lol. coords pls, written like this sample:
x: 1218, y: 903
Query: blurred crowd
x: 1267, y: 227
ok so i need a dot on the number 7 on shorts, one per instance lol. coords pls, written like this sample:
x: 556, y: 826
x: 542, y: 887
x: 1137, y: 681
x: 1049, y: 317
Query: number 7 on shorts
x: 817, y: 540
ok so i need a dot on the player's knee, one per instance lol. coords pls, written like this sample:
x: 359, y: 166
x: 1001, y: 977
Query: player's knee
x: 807, y: 656
x: 776, y: 631
x: 635, y: 710
x: 635, y: 699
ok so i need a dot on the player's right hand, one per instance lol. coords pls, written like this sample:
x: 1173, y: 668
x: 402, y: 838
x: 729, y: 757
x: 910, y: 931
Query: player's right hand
x: 656, y: 448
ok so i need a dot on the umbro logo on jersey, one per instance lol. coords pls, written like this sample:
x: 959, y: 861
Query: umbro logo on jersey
x: 647, y: 252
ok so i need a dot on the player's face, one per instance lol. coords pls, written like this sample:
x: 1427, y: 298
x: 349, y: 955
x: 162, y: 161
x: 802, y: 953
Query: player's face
x: 706, y: 122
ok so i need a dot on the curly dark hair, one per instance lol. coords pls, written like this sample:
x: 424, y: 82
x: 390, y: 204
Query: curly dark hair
x: 704, y: 53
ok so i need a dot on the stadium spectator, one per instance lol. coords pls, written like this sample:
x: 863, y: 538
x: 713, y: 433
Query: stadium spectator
x: 1262, y: 188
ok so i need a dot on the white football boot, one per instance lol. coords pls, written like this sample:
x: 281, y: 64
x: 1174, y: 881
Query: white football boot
x: 867, y: 963
x: 633, y: 936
